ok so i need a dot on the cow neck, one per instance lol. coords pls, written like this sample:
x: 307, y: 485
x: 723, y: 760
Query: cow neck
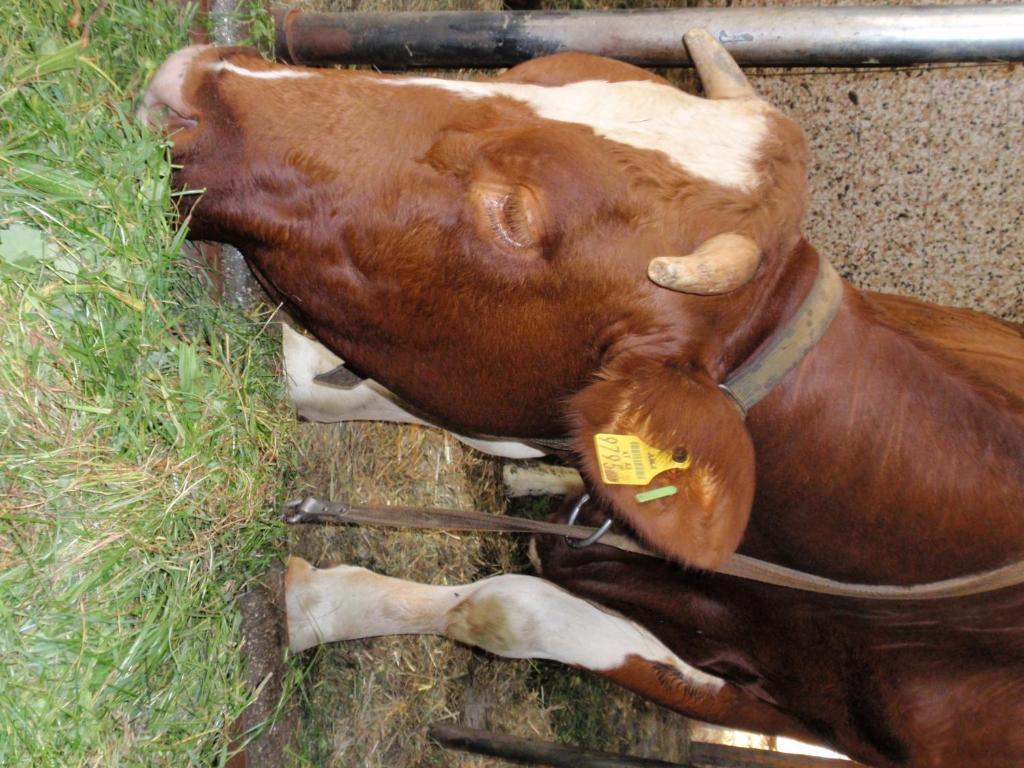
x: 780, y: 352
x: 748, y: 384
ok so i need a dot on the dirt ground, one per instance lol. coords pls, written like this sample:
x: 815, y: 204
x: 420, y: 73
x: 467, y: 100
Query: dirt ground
x: 368, y: 703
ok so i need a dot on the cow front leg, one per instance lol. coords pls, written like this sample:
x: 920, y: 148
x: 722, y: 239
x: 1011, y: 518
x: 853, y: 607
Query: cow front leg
x: 517, y: 617
x: 511, y: 615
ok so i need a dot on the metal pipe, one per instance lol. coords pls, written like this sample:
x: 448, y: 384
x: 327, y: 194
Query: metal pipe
x: 534, y: 752
x: 764, y: 37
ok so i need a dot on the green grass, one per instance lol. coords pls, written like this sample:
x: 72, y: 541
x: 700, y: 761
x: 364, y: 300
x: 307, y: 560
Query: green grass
x: 142, y: 430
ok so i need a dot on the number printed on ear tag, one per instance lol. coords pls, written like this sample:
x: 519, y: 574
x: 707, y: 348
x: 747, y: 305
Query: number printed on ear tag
x: 628, y: 460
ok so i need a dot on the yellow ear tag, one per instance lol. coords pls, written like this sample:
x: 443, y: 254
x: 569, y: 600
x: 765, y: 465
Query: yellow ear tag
x: 628, y: 460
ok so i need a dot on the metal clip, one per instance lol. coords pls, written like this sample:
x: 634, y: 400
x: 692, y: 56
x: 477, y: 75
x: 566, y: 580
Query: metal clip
x: 581, y: 543
x: 295, y: 511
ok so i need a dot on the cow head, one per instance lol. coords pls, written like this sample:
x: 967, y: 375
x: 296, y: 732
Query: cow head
x: 576, y: 247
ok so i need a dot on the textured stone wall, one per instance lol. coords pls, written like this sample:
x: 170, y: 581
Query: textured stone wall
x: 917, y: 177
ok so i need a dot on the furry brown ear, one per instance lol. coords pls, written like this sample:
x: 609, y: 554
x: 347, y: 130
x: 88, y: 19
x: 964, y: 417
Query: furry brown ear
x: 682, y: 412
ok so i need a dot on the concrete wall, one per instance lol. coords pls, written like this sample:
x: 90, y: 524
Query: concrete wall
x: 917, y: 178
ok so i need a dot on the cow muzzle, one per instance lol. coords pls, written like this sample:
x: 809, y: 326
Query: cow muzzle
x: 164, y: 107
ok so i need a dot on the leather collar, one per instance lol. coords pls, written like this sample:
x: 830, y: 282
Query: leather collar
x: 749, y: 383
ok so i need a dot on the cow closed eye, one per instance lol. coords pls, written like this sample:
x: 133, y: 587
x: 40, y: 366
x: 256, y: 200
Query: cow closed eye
x: 507, y: 214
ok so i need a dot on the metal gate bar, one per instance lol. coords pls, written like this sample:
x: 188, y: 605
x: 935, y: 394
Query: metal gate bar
x: 533, y: 752
x: 767, y: 37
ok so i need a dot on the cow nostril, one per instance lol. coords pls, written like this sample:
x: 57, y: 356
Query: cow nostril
x: 164, y: 107
x: 163, y: 117
x: 174, y: 120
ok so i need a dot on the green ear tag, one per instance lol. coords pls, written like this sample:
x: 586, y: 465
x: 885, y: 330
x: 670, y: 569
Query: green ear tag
x: 657, y: 493
x: 628, y: 460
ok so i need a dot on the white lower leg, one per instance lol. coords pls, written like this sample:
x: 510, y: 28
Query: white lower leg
x: 348, y: 602
x: 511, y: 615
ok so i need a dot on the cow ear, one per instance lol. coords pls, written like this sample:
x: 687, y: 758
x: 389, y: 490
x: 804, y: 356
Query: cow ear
x: 672, y: 416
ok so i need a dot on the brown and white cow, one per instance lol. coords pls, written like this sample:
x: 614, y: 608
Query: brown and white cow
x: 489, y: 250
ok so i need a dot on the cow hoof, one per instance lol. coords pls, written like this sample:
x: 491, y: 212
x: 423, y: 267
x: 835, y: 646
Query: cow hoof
x: 300, y: 598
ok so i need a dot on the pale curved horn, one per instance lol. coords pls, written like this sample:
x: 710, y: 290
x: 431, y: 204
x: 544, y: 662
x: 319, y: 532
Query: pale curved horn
x: 719, y: 73
x: 721, y: 264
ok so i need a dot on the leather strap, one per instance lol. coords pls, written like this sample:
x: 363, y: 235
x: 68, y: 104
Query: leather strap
x: 313, y: 510
x: 751, y: 569
x: 788, y: 345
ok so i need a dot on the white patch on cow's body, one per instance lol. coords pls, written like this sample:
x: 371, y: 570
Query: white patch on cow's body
x: 714, y: 139
x: 261, y: 74
x: 511, y: 615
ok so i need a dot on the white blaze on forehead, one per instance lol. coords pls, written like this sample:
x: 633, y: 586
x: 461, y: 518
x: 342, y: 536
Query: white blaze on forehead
x: 714, y: 139
x: 259, y: 74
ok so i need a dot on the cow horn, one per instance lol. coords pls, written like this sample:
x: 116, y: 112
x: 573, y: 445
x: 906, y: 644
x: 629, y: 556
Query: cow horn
x: 721, y: 264
x: 719, y: 73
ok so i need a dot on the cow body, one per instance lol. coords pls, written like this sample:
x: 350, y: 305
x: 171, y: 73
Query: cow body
x: 481, y: 249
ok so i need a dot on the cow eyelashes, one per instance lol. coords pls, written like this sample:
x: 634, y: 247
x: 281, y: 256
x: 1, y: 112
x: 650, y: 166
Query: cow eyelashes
x: 507, y: 214
x: 511, y: 218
